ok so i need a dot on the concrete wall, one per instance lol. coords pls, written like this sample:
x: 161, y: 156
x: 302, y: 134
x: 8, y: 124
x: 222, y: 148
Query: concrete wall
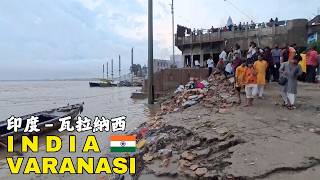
x: 296, y: 31
x: 169, y: 79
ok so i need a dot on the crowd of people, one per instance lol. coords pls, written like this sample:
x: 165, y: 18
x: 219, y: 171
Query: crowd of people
x: 260, y: 66
x: 242, y: 26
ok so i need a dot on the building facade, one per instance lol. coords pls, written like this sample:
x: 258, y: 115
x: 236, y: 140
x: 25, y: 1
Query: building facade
x: 160, y: 64
x: 201, y: 46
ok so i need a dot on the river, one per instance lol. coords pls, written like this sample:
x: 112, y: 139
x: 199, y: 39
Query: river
x: 24, y: 97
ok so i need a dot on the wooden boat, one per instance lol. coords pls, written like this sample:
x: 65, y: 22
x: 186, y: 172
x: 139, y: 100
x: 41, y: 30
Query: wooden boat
x: 103, y: 84
x: 45, y: 117
x: 94, y: 84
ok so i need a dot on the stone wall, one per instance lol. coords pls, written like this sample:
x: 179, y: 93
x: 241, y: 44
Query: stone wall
x: 169, y: 79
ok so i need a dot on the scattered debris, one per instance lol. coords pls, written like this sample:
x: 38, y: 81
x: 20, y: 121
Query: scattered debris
x: 216, y: 91
x: 165, y: 153
x: 141, y: 144
x: 174, y: 150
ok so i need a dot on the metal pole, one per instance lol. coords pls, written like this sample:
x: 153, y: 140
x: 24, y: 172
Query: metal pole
x: 119, y: 67
x: 172, y: 11
x: 112, y: 69
x: 132, y: 66
x: 150, y: 53
x: 102, y: 71
x: 107, y: 70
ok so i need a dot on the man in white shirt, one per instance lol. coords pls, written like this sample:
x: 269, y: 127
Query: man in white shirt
x: 223, y: 55
x: 210, y: 64
x: 228, y: 68
x: 252, y: 50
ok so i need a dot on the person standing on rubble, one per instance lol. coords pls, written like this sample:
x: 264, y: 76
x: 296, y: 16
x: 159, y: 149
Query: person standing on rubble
x: 223, y: 56
x: 250, y: 77
x: 261, y: 67
x: 210, y: 64
x: 231, y: 55
x: 239, y: 77
x: 221, y: 65
x: 237, y: 52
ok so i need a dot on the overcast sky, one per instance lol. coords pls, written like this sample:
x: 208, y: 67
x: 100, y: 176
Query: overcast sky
x: 42, y: 39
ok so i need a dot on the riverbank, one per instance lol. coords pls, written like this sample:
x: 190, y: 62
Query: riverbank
x: 216, y: 139
x: 25, y: 97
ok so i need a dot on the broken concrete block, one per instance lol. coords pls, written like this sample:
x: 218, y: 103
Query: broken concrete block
x: 184, y: 163
x: 194, y: 167
x: 188, y: 155
x: 147, y: 157
x: 201, y: 171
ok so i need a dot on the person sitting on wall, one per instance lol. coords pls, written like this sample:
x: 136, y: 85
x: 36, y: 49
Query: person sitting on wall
x: 240, y: 26
x: 235, y: 27
x: 253, y: 25
x: 194, y: 31
x: 276, y: 22
x: 211, y: 30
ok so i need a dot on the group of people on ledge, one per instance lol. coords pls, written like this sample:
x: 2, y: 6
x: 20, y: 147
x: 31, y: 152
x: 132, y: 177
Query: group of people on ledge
x: 240, y: 27
x: 260, y: 66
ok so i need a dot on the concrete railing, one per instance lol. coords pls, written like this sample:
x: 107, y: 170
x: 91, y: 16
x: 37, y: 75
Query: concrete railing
x: 221, y: 36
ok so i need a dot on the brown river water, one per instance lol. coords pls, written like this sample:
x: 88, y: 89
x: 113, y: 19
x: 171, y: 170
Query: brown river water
x: 24, y: 97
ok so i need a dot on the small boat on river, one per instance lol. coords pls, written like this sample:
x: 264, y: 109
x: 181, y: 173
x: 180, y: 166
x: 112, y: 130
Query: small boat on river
x: 48, y: 121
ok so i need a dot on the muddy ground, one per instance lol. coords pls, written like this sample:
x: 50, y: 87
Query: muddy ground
x: 266, y: 141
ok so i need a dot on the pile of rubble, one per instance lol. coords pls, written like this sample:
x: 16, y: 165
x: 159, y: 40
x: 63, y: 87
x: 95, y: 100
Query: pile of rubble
x: 167, y: 150
x: 217, y: 91
x: 221, y: 92
x: 175, y: 151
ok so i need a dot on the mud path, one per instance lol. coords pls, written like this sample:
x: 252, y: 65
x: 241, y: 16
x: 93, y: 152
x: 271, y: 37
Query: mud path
x: 266, y: 141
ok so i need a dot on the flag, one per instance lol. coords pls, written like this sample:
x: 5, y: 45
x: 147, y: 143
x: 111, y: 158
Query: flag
x: 122, y: 143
